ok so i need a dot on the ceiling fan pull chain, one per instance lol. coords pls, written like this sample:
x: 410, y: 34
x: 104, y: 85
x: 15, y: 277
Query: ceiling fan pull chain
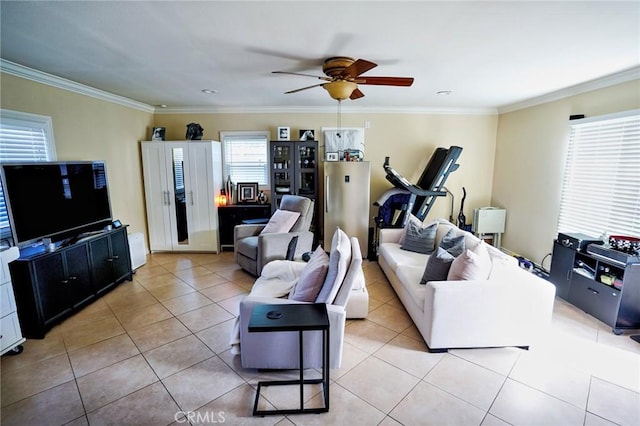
x: 339, y: 118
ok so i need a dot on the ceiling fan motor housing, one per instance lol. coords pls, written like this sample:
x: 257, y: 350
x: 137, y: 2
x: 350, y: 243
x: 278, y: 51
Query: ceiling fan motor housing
x: 333, y: 67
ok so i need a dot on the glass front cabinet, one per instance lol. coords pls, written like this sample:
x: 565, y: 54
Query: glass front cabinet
x: 294, y: 170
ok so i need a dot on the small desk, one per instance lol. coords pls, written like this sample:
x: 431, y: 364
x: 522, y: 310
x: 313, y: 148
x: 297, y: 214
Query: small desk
x: 300, y: 318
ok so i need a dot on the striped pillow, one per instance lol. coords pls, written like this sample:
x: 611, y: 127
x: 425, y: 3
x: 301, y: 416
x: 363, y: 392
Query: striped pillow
x: 420, y: 239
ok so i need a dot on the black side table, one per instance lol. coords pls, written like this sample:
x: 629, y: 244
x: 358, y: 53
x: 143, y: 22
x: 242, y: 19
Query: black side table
x: 300, y: 318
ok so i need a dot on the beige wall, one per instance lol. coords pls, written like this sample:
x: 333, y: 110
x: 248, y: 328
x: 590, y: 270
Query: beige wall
x: 86, y: 128
x: 408, y: 139
x: 529, y: 164
x: 527, y: 146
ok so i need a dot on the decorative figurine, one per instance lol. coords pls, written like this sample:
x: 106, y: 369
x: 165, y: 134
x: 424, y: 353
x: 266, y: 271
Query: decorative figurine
x: 194, y: 132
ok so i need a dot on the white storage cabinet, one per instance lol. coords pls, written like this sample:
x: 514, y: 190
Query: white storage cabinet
x: 181, y: 181
x: 10, y: 334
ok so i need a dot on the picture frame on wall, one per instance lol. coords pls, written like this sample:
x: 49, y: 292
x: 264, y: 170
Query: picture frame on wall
x: 307, y: 135
x: 284, y: 133
x: 248, y: 192
x: 158, y: 134
x: 332, y: 156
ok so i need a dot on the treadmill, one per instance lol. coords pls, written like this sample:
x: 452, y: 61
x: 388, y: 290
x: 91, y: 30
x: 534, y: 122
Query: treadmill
x: 419, y: 198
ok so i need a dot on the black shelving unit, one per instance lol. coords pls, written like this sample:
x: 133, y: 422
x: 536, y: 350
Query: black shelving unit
x: 604, y: 284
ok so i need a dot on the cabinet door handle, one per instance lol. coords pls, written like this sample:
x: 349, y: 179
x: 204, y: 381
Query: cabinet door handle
x: 73, y: 278
x: 115, y: 257
x: 64, y: 282
x: 592, y: 290
x: 109, y: 259
x: 191, y: 197
x: 326, y: 194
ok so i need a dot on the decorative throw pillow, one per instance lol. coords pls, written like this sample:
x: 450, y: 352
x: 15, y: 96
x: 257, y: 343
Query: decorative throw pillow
x: 420, y: 239
x: 453, y: 243
x: 437, y: 268
x: 413, y: 219
x: 281, y: 221
x: 339, y: 259
x: 312, y: 277
x: 472, y: 264
x: 291, y: 248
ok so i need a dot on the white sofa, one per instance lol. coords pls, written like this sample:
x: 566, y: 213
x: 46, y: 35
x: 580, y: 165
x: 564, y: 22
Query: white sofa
x: 509, y: 308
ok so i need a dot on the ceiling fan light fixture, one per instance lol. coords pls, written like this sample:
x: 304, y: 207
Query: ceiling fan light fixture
x: 340, y: 90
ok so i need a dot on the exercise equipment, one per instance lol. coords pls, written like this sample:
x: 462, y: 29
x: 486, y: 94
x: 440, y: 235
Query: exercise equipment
x: 419, y: 198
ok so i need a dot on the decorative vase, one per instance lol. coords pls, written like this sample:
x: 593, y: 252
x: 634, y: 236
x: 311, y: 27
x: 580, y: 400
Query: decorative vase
x: 262, y: 198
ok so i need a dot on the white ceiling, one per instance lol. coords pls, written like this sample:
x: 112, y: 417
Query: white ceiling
x: 488, y: 54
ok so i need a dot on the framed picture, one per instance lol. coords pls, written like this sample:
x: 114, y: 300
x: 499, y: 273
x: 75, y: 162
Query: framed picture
x: 158, y: 134
x: 332, y: 156
x: 284, y: 134
x: 307, y: 135
x: 248, y: 192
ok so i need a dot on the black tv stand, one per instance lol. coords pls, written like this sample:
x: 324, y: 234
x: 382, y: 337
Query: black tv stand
x: 51, y: 285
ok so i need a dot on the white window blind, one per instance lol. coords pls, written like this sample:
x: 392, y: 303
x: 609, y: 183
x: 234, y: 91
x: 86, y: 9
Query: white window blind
x: 23, y: 137
x: 601, y: 188
x: 246, y: 157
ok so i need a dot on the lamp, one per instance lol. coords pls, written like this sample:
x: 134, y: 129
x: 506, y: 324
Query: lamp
x: 340, y: 89
x: 222, y: 198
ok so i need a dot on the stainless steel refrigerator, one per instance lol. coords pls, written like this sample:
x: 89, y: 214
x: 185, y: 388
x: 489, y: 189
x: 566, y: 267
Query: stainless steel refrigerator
x: 346, y: 200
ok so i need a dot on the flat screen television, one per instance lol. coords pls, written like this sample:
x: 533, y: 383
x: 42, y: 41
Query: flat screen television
x: 56, y: 200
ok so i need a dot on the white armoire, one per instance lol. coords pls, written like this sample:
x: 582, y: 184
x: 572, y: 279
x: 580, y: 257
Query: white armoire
x: 181, y: 182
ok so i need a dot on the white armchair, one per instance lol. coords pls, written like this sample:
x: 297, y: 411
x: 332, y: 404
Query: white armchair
x: 279, y: 350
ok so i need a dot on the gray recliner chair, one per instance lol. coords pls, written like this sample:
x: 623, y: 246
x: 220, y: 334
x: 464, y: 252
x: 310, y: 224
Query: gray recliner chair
x: 254, y: 250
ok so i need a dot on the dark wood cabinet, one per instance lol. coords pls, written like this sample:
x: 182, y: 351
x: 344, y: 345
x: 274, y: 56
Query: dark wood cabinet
x: 561, y: 267
x: 606, y: 288
x: 230, y: 216
x: 294, y: 170
x: 49, y: 286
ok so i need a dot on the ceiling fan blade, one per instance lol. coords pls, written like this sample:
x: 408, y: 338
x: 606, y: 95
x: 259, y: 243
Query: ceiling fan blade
x: 303, y: 88
x: 304, y: 75
x: 386, y: 81
x: 356, y: 94
x: 358, y: 67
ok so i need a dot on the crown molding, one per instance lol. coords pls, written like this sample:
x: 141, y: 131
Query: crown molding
x: 588, y: 86
x: 17, y: 70
x: 323, y: 110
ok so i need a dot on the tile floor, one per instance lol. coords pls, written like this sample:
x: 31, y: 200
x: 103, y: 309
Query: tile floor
x: 154, y: 352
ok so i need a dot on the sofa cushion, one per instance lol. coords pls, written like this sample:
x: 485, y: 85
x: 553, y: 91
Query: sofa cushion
x: 438, y: 265
x: 420, y: 239
x: 280, y: 222
x: 312, y: 277
x: 472, y: 264
x: 339, y: 259
x: 453, y: 243
x: 354, y: 279
x: 413, y: 219
x: 398, y: 258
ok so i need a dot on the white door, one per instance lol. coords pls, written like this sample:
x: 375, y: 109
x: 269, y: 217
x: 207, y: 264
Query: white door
x: 157, y: 195
x: 202, y: 213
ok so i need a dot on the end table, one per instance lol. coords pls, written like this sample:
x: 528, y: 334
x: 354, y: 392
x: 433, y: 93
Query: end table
x: 299, y: 318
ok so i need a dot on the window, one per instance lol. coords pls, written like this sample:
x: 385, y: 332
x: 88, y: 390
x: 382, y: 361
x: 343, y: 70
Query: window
x: 601, y: 188
x: 246, y: 157
x: 23, y: 137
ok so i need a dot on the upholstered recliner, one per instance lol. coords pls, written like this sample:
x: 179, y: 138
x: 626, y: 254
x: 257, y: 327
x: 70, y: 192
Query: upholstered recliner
x: 279, y: 350
x: 253, y: 250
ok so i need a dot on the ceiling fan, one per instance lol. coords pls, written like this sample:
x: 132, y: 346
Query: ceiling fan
x: 344, y: 74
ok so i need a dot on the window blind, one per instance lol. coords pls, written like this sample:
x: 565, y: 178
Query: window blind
x: 23, y: 137
x: 601, y: 188
x: 246, y: 157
